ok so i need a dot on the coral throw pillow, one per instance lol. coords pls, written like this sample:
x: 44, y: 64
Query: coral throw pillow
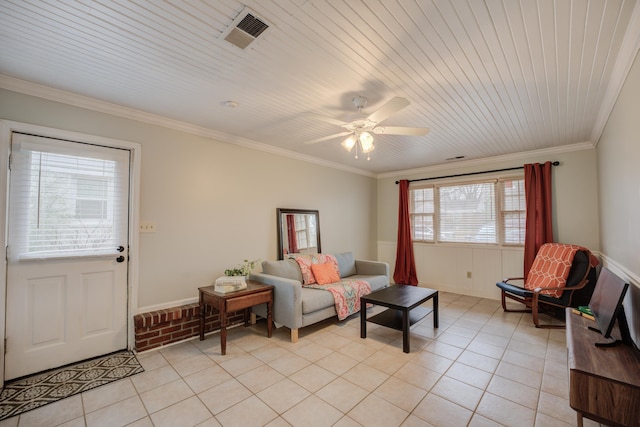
x: 325, y: 273
x: 306, y: 261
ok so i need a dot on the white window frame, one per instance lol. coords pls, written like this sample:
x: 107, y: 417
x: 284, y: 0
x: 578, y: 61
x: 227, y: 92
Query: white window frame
x: 499, y: 216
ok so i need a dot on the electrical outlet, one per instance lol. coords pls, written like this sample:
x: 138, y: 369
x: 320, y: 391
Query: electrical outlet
x: 468, y: 275
x: 147, y: 227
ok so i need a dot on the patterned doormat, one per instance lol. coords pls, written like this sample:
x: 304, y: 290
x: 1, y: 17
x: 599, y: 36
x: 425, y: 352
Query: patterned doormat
x: 38, y: 390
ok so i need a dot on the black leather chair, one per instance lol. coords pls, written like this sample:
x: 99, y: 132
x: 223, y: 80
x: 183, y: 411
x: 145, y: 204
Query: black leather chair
x: 578, y: 290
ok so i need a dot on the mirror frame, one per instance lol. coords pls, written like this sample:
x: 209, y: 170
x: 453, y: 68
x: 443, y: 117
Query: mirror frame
x: 282, y: 211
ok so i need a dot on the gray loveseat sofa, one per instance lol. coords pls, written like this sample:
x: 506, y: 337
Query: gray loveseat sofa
x: 296, y: 306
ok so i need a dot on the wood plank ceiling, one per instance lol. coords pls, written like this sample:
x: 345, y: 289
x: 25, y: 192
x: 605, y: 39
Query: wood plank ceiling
x: 488, y: 77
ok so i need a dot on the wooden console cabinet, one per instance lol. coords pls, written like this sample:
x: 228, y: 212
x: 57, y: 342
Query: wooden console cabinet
x: 604, y: 382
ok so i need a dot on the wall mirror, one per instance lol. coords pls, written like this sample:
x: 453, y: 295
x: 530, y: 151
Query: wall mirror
x: 298, y: 232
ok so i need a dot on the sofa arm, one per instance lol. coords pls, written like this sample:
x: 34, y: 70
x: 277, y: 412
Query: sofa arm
x: 372, y: 268
x: 287, y: 300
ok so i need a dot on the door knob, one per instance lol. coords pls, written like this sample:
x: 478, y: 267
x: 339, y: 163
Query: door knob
x: 120, y: 248
x: 120, y: 259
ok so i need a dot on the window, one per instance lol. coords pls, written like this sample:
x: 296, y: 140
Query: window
x: 67, y: 199
x: 484, y: 211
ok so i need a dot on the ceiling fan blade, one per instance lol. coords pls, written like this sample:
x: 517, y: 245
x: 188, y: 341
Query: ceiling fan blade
x: 324, y: 119
x: 400, y: 130
x: 387, y: 110
x: 326, y: 138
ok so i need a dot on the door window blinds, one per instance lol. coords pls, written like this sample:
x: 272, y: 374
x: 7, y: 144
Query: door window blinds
x: 66, y: 198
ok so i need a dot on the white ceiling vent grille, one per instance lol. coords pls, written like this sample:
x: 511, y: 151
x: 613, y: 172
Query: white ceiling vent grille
x: 244, y: 29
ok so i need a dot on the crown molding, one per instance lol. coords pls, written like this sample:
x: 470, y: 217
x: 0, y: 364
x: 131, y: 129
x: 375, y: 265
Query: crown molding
x: 626, y: 57
x: 492, y: 160
x: 81, y: 101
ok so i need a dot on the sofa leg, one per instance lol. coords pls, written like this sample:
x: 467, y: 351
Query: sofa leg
x: 294, y: 335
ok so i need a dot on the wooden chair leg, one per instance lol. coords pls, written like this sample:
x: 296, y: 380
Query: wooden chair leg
x: 294, y: 335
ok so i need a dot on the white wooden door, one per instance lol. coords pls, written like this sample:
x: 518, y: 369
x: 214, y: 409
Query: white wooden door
x: 67, y: 253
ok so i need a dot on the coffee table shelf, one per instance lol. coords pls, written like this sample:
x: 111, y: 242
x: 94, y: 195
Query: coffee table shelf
x: 393, y: 318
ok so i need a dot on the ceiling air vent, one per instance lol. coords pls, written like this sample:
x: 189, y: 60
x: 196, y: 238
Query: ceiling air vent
x: 244, y: 29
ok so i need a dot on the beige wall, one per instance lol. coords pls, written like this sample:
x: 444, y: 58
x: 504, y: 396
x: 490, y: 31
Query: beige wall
x: 619, y: 187
x: 214, y: 203
x: 446, y: 266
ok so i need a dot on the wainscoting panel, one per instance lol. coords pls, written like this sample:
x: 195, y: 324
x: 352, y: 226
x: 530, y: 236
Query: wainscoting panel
x: 448, y: 267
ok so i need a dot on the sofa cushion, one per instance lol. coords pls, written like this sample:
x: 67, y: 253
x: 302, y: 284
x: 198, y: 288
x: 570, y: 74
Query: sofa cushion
x: 325, y: 273
x: 305, y: 262
x: 315, y: 299
x: 346, y: 264
x: 287, y: 268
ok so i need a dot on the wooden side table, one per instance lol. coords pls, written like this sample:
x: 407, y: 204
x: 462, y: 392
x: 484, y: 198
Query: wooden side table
x: 255, y: 293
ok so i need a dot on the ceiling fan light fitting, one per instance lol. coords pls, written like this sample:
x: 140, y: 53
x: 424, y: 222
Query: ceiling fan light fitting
x: 349, y: 142
x: 366, y: 142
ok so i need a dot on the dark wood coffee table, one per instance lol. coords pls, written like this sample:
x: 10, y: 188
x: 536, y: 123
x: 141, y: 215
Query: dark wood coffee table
x: 256, y: 293
x: 403, y: 302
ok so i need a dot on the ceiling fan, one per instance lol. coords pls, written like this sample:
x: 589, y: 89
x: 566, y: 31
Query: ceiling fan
x: 359, y: 129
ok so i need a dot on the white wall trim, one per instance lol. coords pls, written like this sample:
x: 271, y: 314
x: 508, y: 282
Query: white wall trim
x: 525, y: 155
x: 620, y: 270
x: 57, y: 95
x: 6, y: 129
x: 165, y: 305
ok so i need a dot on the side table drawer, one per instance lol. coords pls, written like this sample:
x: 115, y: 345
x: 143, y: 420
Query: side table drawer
x: 246, y: 301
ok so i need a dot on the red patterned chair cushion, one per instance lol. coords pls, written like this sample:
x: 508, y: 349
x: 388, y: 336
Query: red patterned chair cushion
x: 551, y: 267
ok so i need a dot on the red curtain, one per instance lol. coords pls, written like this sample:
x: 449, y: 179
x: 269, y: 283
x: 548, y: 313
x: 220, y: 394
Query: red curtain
x: 539, y: 227
x: 291, y: 234
x: 405, y: 271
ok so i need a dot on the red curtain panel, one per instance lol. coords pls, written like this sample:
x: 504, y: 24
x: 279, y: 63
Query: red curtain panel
x: 291, y: 234
x: 405, y: 271
x: 539, y: 227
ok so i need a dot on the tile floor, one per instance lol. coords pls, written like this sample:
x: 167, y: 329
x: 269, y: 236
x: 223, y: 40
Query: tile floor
x: 482, y: 367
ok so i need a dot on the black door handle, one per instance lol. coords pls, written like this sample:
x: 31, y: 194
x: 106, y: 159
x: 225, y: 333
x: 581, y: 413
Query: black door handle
x: 120, y: 248
x: 120, y: 259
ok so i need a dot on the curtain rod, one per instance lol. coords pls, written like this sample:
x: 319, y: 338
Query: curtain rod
x: 554, y: 163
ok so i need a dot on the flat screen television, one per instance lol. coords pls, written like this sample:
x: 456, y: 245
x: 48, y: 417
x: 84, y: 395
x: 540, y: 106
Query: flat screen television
x: 606, y: 305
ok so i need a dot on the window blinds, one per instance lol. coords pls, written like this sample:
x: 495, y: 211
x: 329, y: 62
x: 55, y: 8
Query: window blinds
x: 66, y: 198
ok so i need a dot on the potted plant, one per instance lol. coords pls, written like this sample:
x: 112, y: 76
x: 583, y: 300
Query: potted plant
x: 243, y: 269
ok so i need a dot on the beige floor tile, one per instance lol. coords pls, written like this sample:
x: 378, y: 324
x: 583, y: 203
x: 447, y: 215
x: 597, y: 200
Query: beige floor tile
x: 375, y: 411
x: 119, y: 414
x: 283, y: 395
x: 440, y: 412
x: 187, y: 413
x: 313, y: 377
x: 556, y: 385
x: 79, y: 422
x: 486, y: 349
x: 417, y: 375
x: 342, y: 394
x: 388, y: 359
x: 486, y: 363
x: 365, y: 376
x: 524, y: 360
x: 142, y: 422
x: 400, y: 393
x: 455, y: 339
x: 459, y: 330
x: 458, y: 392
x: 223, y: 396
x: 180, y: 351
x: 313, y: 352
x: 107, y: 394
x: 269, y: 352
x: 358, y: 350
x: 432, y: 361
x: 413, y: 421
x: 11, y: 422
x: 556, y: 407
x: 151, y: 360
x: 289, y: 364
x: 444, y: 350
x: 337, y: 363
x: 557, y: 369
x: 543, y: 420
x: 54, y: 413
x: 537, y: 349
x: 496, y: 340
x: 504, y: 411
x: 204, y: 380
x: 331, y: 341
x: 186, y: 367
x: 347, y: 422
x: 151, y: 379
x: 249, y: 412
x: 240, y: 364
x: 469, y: 375
x: 479, y: 421
x: 165, y: 395
x: 312, y: 412
x: 514, y: 391
x: 520, y: 374
x: 260, y: 378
